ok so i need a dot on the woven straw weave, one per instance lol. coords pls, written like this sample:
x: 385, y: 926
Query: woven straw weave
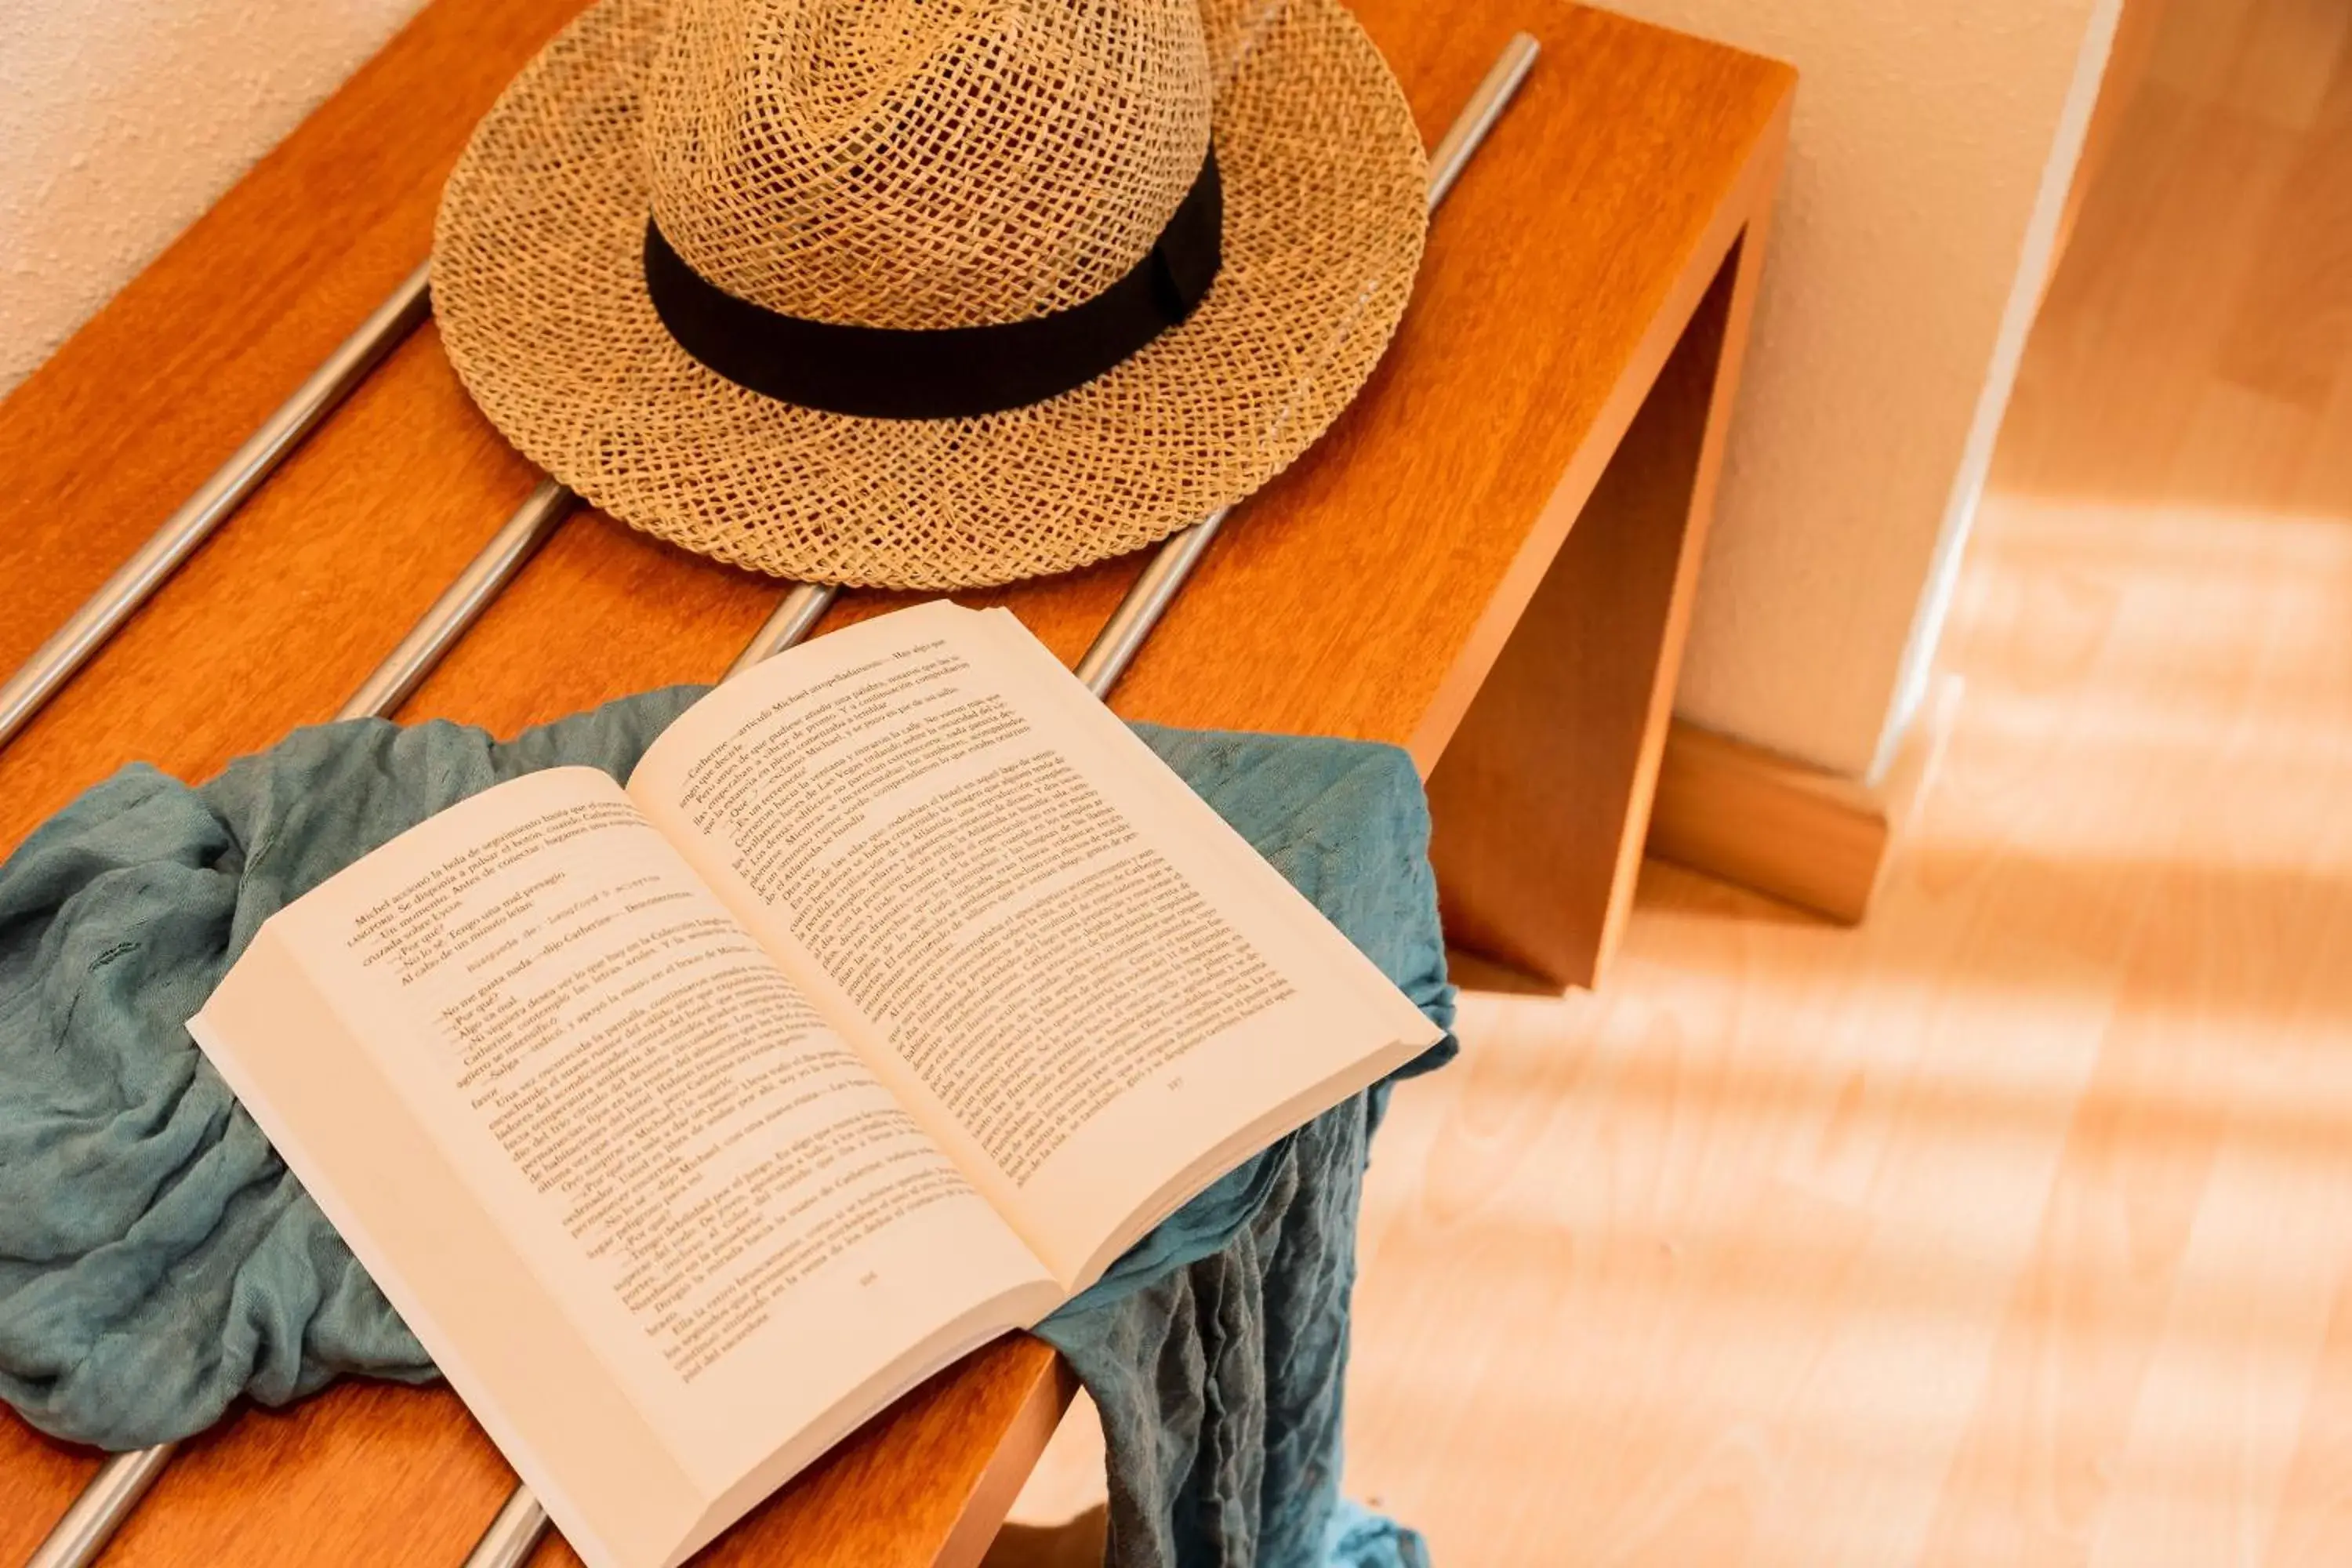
x: 926, y: 164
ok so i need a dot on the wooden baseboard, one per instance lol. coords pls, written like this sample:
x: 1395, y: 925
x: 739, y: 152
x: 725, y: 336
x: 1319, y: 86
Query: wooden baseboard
x: 1815, y: 840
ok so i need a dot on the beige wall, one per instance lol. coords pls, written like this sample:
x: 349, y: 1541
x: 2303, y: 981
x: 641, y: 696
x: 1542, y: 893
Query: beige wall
x: 121, y: 121
x: 1931, y: 148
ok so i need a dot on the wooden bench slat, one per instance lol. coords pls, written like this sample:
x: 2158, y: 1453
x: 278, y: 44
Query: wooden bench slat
x: 37, y: 1479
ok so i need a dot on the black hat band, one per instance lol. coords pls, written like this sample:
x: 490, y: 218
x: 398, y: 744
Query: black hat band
x: 945, y: 373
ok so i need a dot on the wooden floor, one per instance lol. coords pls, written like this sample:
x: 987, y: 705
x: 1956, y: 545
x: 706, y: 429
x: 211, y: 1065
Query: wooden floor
x: 2016, y: 1228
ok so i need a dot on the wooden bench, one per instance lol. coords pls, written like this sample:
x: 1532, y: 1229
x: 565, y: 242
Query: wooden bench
x: 1569, y: 358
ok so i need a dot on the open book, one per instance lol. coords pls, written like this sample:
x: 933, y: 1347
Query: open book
x: 689, y: 1124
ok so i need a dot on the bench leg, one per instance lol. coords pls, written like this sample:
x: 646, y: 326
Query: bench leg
x: 1541, y: 798
x: 1018, y: 1447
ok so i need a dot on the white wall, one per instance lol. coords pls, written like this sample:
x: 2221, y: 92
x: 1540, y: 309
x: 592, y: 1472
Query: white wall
x: 1932, y: 143
x: 121, y: 121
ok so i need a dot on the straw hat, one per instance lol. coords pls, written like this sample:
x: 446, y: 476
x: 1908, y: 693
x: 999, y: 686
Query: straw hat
x: 975, y: 290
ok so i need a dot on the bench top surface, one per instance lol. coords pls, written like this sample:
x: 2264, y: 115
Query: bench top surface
x: 1364, y: 593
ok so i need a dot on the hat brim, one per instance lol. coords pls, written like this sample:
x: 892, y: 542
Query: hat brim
x: 539, y: 288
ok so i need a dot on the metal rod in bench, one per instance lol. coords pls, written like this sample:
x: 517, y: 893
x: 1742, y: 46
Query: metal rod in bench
x: 461, y: 603
x: 55, y: 661
x: 512, y: 1535
x: 1487, y: 100
x: 508, y: 1541
x: 106, y: 1500
x: 804, y: 605
x: 1147, y: 598
x: 101, y: 1508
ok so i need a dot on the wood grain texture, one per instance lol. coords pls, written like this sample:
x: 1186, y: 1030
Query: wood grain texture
x: 1761, y: 821
x: 1364, y: 593
x: 2013, y: 1229
x: 1540, y: 804
x: 925, y: 1482
x: 38, y: 1479
x: 2138, y: 27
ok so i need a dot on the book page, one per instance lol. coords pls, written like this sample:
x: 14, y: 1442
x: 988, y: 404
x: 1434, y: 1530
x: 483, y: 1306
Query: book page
x: 741, y: 1223
x: 1091, y: 990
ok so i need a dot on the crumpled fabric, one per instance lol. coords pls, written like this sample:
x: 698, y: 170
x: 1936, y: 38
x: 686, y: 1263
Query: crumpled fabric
x: 157, y: 1260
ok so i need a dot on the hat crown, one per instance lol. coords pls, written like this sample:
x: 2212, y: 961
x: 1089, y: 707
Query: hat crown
x: 924, y: 164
